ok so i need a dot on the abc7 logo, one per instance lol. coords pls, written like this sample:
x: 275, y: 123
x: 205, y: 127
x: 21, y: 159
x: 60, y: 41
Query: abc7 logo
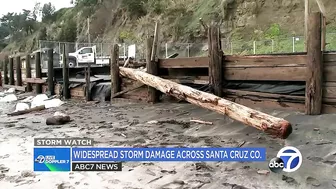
x: 289, y: 159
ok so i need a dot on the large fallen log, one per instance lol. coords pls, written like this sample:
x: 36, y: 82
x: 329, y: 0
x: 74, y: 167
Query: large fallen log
x: 271, y: 125
x: 38, y: 108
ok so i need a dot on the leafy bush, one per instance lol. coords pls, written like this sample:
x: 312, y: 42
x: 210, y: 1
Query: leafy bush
x: 273, y: 31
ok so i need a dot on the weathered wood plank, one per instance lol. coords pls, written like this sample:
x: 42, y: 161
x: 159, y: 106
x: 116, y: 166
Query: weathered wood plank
x: 267, y: 103
x: 329, y: 84
x: 329, y: 72
x: 195, y: 62
x: 267, y: 60
x: 270, y: 74
x: 263, y: 95
x: 328, y: 109
x: 237, y: 61
x: 202, y: 80
x: 329, y: 92
x: 35, y: 80
x: 329, y: 57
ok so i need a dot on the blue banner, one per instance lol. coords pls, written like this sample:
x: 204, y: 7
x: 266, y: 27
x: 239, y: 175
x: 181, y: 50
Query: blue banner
x: 169, y: 154
x: 52, y: 159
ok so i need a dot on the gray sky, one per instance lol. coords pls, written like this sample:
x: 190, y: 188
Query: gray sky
x: 18, y: 5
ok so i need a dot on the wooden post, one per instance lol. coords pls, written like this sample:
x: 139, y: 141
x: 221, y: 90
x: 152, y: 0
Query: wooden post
x: 51, y: 86
x: 88, y: 86
x: 66, y: 91
x: 324, y: 33
x: 215, y: 64
x: 152, y: 65
x: 314, y: 66
x: 28, y: 73
x: 38, y: 71
x: 18, y: 71
x: 5, y: 69
x: 307, y: 11
x: 1, y: 79
x: 115, y: 78
x: 11, y: 71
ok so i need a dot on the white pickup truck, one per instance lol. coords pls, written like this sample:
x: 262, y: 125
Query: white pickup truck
x: 87, y: 55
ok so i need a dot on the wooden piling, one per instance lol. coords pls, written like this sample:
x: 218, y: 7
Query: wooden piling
x: 5, y: 69
x: 88, y: 84
x: 152, y: 64
x: 18, y: 71
x: 115, y: 78
x: 38, y: 72
x: 324, y: 33
x: 66, y: 90
x: 28, y: 73
x: 216, y: 61
x: 11, y: 71
x: 51, y: 86
x: 314, y: 72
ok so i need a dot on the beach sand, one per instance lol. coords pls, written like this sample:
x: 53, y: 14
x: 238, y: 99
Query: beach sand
x: 125, y: 124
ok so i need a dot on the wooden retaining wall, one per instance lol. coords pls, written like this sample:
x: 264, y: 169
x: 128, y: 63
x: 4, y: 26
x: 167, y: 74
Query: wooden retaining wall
x: 256, y: 68
x: 314, y: 69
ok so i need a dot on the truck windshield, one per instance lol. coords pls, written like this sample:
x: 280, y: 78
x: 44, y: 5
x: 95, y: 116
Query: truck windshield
x: 86, y: 50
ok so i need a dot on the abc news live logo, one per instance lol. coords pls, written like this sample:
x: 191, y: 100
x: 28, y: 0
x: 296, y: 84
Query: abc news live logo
x: 289, y: 159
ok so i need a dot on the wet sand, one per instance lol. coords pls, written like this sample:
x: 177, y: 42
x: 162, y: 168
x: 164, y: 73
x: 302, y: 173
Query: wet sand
x: 125, y: 124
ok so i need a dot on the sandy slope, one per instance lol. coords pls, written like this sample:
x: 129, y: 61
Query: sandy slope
x: 125, y: 124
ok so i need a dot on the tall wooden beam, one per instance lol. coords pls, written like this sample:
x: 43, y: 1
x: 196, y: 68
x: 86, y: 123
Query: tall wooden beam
x: 28, y: 73
x: 307, y: 11
x: 314, y: 80
x: 18, y: 71
x: 324, y: 33
x: 51, y: 85
x: 66, y: 90
x: 38, y: 72
x: 1, y: 79
x: 323, y: 23
x: 5, y: 69
x: 11, y: 71
x: 152, y: 65
x: 216, y: 61
x: 87, y: 83
x: 115, y: 77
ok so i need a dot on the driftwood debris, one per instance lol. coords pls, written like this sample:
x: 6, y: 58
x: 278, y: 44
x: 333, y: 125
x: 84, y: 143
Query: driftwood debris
x: 269, y: 124
x: 127, y: 90
x: 201, y: 122
x: 38, y: 108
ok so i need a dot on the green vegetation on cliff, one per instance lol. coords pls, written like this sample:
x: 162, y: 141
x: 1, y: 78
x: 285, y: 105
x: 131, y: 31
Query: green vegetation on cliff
x: 241, y: 21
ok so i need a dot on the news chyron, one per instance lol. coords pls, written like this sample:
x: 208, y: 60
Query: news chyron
x: 54, y: 155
